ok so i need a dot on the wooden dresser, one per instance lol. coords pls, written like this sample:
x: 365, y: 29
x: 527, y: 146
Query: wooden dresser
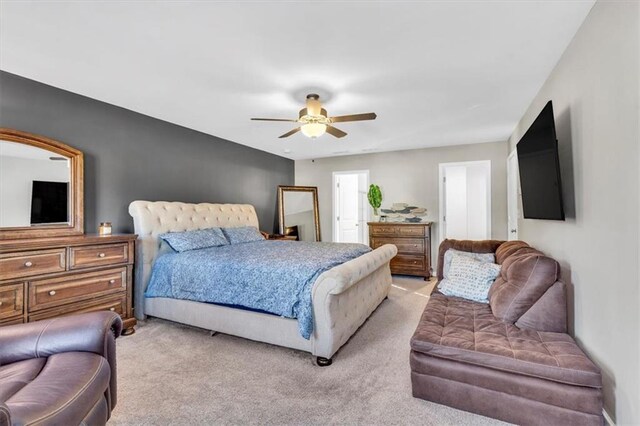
x: 413, y: 241
x: 48, y: 277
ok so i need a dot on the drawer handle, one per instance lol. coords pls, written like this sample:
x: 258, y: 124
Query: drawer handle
x: 52, y: 293
x: 112, y: 309
x: 101, y: 254
x: 28, y: 264
x: 415, y: 261
x: 112, y: 281
x: 0, y: 302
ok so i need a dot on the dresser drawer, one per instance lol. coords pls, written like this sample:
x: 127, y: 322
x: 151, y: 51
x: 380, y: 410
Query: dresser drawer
x: 11, y: 300
x: 107, y: 254
x: 404, y: 245
x: 28, y: 263
x: 406, y: 261
x: 117, y: 304
x: 383, y: 230
x: 48, y: 293
x: 411, y: 231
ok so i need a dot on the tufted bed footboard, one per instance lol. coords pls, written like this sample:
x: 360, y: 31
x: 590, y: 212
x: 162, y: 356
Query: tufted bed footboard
x: 342, y: 297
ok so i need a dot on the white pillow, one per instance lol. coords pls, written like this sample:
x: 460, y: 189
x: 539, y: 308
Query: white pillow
x: 469, y: 278
x: 482, y: 257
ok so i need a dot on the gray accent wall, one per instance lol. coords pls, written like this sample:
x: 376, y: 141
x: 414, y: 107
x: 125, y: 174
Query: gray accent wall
x: 596, y: 99
x: 131, y: 156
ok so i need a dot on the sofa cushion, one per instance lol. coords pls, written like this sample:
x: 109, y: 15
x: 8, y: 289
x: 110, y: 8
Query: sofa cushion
x: 525, y: 276
x: 66, y: 389
x: 508, y: 248
x: 17, y: 375
x: 465, y: 331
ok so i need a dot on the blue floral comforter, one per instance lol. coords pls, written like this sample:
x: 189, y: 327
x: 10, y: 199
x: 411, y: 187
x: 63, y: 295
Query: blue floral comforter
x: 271, y: 276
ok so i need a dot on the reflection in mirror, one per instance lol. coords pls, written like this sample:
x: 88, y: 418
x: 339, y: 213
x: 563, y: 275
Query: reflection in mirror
x: 298, y: 211
x: 34, y: 186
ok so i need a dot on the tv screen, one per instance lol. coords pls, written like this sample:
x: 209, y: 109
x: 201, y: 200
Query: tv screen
x: 49, y: 202
x: 540, y: 169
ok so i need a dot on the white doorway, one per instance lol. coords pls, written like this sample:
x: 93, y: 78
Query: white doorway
x: 350, y: 206
x: 465, y: 200
x: 513, y: 189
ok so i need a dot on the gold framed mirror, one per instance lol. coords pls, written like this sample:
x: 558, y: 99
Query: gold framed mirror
x: 41, y: 187
x: 298, y: 212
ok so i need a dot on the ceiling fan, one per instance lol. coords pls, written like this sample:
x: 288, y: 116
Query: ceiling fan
x: 314, y: 121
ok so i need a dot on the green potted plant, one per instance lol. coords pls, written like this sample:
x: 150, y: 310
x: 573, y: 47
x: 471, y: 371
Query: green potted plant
x: 375, y: 198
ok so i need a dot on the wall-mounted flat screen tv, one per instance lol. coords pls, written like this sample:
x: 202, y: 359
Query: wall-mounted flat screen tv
x: 539, y: 166
x: 49, y: 202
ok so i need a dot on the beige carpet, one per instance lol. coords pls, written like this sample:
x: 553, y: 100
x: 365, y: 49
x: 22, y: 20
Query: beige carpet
x: 174, y: 374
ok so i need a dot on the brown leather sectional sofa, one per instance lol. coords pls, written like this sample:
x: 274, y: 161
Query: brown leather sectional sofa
x: 511, y: 359
x: 60, y: 371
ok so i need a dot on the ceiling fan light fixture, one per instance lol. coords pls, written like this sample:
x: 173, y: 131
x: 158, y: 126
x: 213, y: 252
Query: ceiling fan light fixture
x: 313, y: 130
x: 314, y: 121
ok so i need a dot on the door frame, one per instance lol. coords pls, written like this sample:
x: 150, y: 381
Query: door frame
x: 441, y: 185
x: 334, y: 200
x: 513, y: 153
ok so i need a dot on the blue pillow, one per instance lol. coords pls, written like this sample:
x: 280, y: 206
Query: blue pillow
x: 194, y: 240
x: 244, y: 234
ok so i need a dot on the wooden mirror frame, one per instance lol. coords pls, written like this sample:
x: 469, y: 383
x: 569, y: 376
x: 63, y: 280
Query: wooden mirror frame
x: 76, y: 179
x: 316, y: 213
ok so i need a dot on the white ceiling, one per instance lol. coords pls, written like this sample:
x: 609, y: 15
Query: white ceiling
x: 436, y: 73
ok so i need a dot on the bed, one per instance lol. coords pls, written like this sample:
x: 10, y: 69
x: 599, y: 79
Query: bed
x: 342, y: 297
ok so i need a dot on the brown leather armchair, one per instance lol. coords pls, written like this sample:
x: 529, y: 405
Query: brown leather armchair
x: 59, y: 371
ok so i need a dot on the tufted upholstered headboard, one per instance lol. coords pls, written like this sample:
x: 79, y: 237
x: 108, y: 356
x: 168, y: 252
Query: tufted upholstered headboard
x: 152, y: 218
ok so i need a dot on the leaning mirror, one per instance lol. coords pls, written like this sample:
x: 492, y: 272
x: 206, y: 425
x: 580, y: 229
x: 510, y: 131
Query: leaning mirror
x: 298, y: 212
x: 40, y: 187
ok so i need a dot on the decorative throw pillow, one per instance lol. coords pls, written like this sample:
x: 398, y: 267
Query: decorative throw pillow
x: 194, y: 240
x: 244, y: 234
x: 482, y: 257
x: 469, y: 278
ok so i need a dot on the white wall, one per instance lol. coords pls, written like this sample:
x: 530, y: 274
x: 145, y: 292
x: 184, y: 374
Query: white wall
x: 410, y: 177
x: 596, y: 97
x: 16, y: 177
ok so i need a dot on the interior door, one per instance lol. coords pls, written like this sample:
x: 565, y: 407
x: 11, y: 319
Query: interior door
x: 348, y: 200
x: 465, y: 190
x: 513, y: 186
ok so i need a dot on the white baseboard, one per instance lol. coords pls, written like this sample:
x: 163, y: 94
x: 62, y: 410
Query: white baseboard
x: 607, y: 418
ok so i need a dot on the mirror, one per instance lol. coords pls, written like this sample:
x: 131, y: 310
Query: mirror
x: 298, y: 212
x: 40, y: 187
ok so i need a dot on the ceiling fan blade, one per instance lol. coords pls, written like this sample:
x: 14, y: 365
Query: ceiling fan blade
x: 291, y: 132
x: 275, y: 119
x: 354, y: 117
x: 335, y: 132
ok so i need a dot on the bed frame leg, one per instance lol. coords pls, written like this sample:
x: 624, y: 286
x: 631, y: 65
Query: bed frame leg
x: 212, y: 333
x: 323, y: 362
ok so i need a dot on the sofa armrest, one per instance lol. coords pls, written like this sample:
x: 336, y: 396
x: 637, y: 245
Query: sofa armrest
x: 89, y: 332
x: 549, y: 313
